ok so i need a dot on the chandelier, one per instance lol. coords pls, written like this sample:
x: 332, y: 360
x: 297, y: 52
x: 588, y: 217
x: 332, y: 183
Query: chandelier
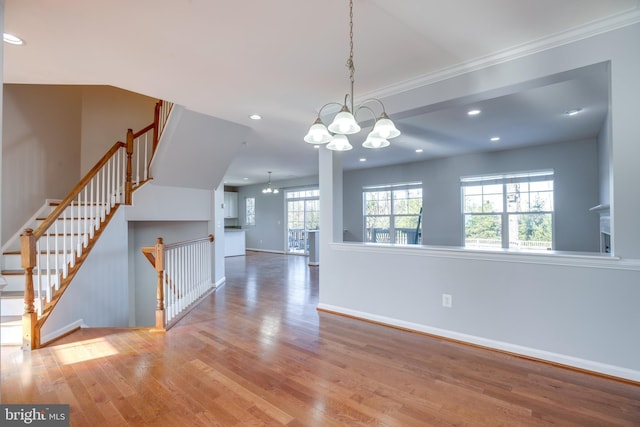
x: 268, y: 189
x: 344, y: 123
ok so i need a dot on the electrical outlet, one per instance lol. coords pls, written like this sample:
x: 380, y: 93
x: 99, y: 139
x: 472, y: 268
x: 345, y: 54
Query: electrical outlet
x: 447, y: 300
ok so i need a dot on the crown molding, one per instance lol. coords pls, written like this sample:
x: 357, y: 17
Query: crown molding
x: 562, y: 38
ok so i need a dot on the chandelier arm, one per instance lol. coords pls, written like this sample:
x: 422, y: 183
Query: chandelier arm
x: 326, y: 105
x: 364, y: 107
x: 373, y: 100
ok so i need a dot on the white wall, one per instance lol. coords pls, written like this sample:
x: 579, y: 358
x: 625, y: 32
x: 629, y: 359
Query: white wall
x: 154, y: 202
x: 216, y: 227
x: 580, y: 311
x: 98, y: 295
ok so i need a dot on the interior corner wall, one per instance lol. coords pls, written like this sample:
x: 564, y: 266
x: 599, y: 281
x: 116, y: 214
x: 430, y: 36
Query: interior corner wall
x: 107, y: 113
x: 40, y: 149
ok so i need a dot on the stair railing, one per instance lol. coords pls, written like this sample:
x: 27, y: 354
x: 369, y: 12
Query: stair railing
x: 183, y: 277
x: 52, y: 254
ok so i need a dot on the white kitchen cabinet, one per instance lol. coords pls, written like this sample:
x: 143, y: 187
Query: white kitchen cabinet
x: 230, y: 204
x: 234, y: 242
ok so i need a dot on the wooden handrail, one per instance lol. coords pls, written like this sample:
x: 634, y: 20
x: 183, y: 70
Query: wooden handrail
x: 144, y: 130
x: 75, y: 191
x: 189, y: 242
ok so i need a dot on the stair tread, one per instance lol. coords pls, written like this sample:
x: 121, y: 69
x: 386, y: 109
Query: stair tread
x: 12, y: 272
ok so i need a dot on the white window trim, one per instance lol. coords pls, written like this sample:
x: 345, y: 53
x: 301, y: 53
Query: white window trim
x: 504, y: 179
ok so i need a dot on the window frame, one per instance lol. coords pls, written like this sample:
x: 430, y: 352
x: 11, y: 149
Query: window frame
x: 392, y: 188
x: 307, y: 196
x: 504, y: 212
x: 249, y: 218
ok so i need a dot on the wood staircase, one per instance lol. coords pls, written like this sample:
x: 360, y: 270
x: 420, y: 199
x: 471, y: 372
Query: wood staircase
x: 56, y: 241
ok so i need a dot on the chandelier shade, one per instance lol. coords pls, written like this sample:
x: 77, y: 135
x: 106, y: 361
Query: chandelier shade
x: 384, y: 128
x: 268, y: 189
x: 339, y: 142
x: 318, y: 133
x: 345, y: 123
x: 374, y: 141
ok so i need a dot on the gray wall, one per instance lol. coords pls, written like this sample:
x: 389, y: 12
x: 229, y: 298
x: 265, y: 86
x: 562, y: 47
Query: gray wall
x: 41, y: 142
x: 575, y: 186
x: 98, y: 296
x: 269, y: 232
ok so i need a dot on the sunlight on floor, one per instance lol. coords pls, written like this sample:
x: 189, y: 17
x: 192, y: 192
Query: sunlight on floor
x: 82, y: 351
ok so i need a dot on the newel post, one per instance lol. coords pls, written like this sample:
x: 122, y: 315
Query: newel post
x: 129, y: 182
x: 160, y: 324
x: 28, y: 262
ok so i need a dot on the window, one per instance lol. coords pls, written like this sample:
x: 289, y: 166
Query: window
x: 508, y: 211
x: 392, y: 213
x: 250, y: 211
x: 303, y: 215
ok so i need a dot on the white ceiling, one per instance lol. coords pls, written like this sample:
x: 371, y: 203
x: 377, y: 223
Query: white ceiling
x: 284, y: 59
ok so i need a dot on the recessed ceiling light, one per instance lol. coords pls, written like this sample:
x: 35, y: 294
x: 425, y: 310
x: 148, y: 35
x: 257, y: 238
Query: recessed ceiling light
x: 11, y: 39
x: 473, y: 112
x: 495, y: 138
x: 255, y: 117
x: 245, y: 179
x: 363, y: 159
x: 573, y: 112
x: 419, y: 150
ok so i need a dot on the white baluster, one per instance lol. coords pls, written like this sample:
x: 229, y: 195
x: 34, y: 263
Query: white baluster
x: 146, y: 163
x: 57, y: 252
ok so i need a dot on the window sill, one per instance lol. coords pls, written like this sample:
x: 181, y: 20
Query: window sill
x: 590, y: 259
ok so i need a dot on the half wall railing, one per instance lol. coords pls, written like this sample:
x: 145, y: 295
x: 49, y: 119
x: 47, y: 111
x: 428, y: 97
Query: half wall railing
x: 183, y: 277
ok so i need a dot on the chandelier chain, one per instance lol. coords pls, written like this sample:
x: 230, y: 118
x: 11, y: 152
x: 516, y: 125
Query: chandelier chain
x: 344, y: 123
x: 350, y: 65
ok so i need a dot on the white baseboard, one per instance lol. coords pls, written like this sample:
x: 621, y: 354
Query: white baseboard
x: 561, y: 359
x: 220, y: 283
x: 61, y: 331
x: 266, y: 250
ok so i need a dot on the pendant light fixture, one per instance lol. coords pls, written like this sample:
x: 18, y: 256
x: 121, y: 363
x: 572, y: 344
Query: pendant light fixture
x: 268, y: 189
x: 344, y: 123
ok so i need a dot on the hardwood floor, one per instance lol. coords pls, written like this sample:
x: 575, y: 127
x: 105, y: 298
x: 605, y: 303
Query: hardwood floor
x: 257, y: 353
